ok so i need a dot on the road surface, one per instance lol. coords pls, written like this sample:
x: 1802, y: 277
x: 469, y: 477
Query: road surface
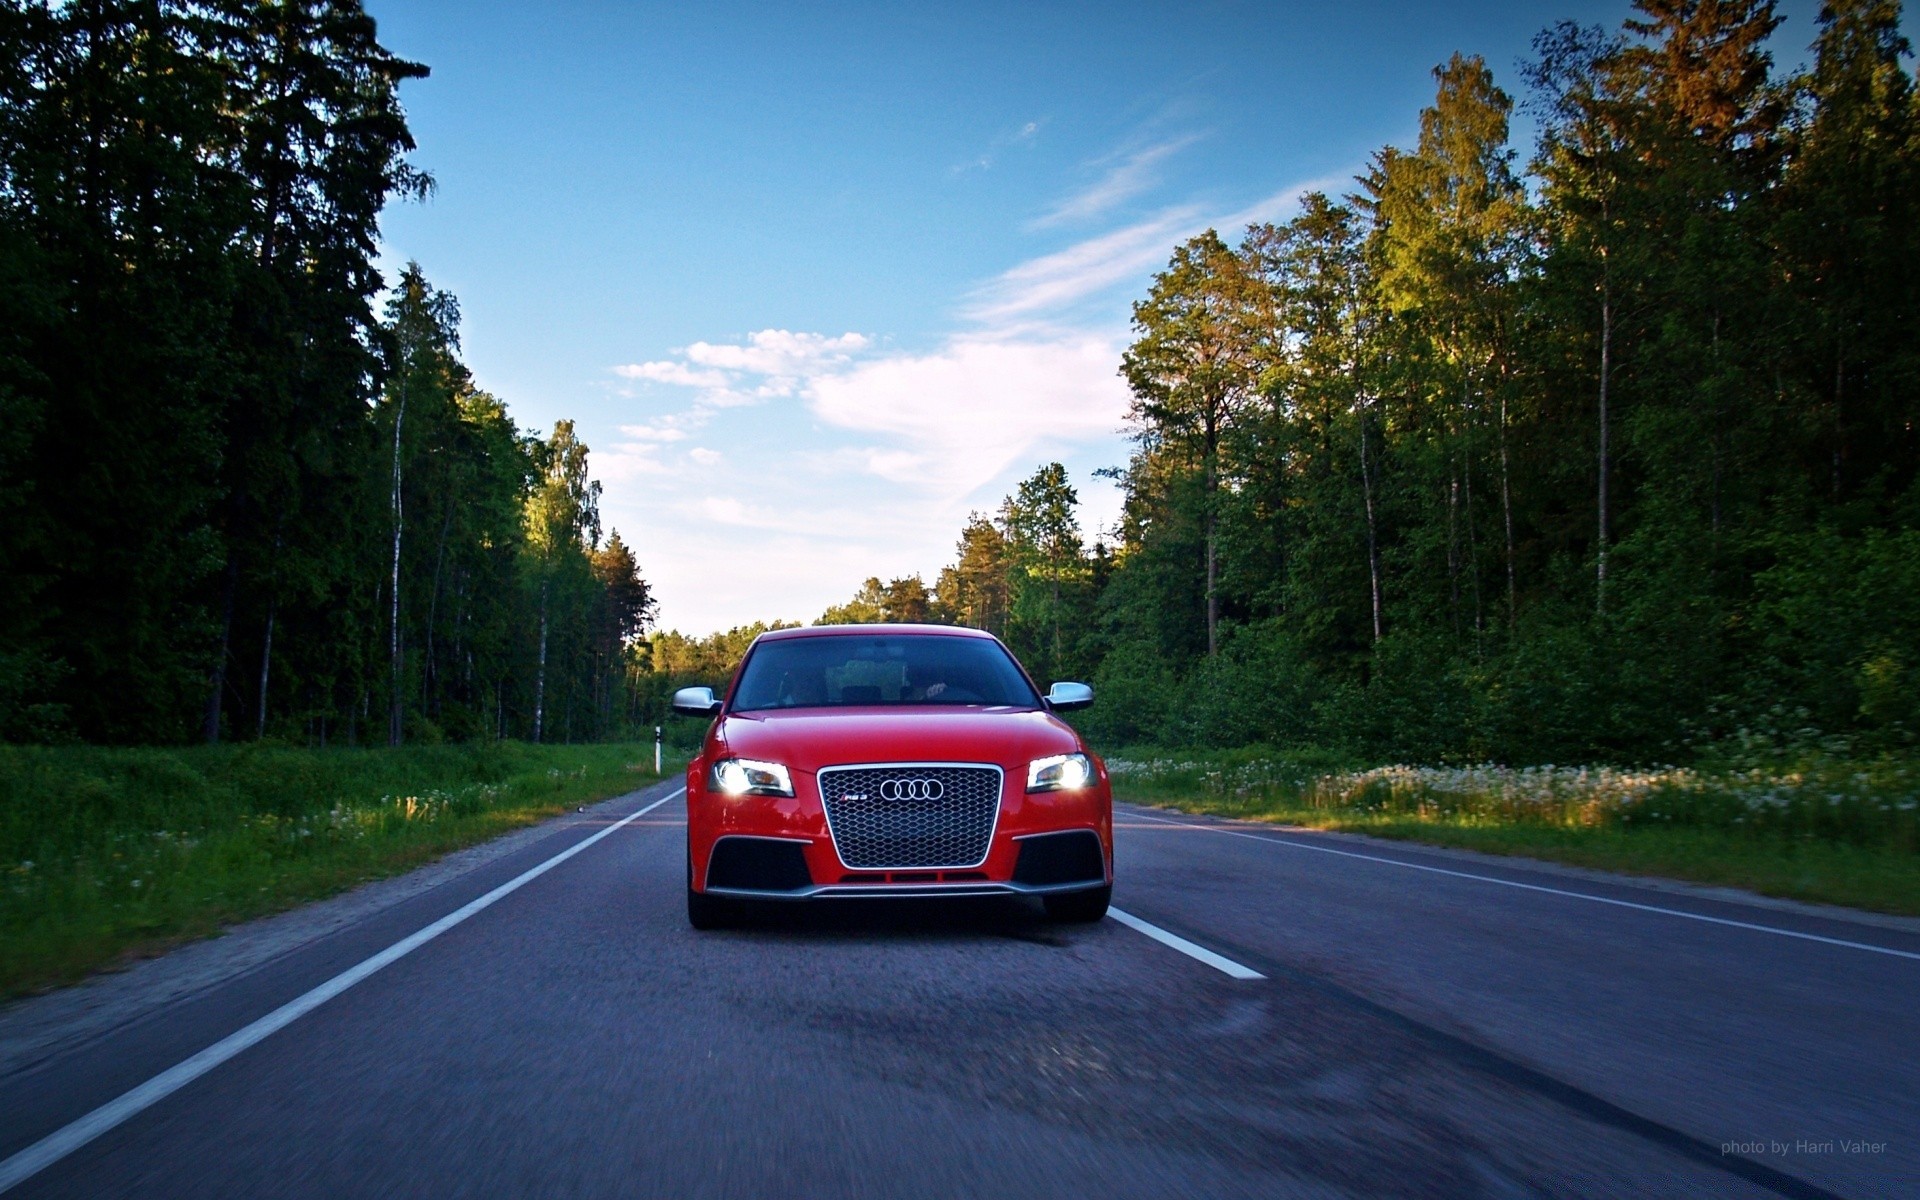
x: 1270, y: 1013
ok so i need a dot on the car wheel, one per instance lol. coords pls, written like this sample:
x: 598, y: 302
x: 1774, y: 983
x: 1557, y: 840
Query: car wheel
x: 1079, y: 907
x: 704, y: 911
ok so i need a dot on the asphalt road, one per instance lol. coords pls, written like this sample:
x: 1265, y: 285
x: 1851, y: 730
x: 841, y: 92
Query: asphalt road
x: 1418, y: 1032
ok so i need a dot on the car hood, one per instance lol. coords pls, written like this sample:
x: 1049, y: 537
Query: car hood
x: 810, y: 738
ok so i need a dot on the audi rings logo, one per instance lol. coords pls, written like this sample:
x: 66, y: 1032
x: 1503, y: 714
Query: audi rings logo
x: 912, y: 789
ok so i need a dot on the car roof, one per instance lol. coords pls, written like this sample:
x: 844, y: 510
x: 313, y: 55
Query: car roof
x: 888, y: 630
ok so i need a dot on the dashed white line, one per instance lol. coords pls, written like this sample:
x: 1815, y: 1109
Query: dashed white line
x: 1216, y: 961
x: 1551, y: 891
x: 65, y: 1140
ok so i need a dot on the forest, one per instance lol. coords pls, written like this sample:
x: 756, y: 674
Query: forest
x: 1607, y: 453
x: 1600, y: 448
x: 248, y: 490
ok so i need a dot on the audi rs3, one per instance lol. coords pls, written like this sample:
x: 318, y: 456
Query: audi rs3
x: 885, y: 761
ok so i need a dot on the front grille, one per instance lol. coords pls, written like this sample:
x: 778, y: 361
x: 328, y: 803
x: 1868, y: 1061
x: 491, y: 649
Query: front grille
x: 904, y: 815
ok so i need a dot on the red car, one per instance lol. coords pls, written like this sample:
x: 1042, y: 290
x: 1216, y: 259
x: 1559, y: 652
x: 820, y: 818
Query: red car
x: 888, y: 761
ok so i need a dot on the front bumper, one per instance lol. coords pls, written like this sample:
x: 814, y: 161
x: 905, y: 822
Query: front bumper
x: 908, y: 891
x: 783, y: 848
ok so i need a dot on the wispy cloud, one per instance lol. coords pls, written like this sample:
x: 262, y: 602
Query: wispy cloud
x: 1137, y: 171
x: 1053, y: 281
x: 983, y: 161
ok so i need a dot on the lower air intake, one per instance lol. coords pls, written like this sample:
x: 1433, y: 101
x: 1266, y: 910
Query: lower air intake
x: 758, y: 864
x: 1061, y: 858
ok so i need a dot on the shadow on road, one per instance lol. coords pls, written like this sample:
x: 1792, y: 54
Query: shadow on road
x: 961, y: 919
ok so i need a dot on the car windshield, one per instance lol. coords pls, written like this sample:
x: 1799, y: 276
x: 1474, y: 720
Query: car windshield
x: 866, y: 669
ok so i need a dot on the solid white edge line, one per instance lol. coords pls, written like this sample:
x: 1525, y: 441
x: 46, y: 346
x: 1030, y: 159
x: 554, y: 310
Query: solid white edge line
x: 1534, y: 887
x: 1216, y: 961
x: 65, y: 1140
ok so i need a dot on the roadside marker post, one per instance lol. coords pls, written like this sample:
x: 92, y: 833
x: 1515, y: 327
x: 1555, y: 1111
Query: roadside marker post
x: 656, y: 749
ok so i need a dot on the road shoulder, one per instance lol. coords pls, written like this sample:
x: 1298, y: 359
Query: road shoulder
x: 36, y: 1028
x: 1513, y: 862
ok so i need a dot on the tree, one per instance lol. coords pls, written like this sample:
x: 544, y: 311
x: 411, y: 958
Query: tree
x: 1312, y: 453
x: 900, y: 601
x: 563, y: 526
x: 316, y: 131
x: 866, y: 607
x: 1044, y: 537
x: 1848, y: 212
x: 425, y: 327
x: 973, y: 591
x: 1584, y: 160
x: 1193, y: 364
x: 1450, y: 225
x: 625, y: 611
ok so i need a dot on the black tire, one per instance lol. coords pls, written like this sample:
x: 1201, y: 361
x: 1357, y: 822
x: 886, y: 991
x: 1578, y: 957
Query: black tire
x: 704, y: 911
x: 1079, y: 907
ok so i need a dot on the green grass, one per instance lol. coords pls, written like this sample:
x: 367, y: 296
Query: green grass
x: 108, y: 854
x: 1820, y: 829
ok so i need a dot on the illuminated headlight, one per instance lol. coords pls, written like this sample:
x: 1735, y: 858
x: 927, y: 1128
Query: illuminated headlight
x: 746, y: 777
x: 1061, y: 773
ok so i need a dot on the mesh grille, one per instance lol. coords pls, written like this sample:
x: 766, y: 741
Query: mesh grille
x: 906, y: 816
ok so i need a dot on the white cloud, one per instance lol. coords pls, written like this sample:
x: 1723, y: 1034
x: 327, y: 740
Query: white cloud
x: 673, y: 373
x: 963, y: 415
x: 704, y: 456
x: 771, y: 364
x: 654, y: 433
x: 1134, y: 174
x: 779, y: 352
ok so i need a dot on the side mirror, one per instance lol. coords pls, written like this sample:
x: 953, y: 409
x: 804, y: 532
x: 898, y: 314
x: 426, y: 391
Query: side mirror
x: 696, y: 702
x: 1065, y: 697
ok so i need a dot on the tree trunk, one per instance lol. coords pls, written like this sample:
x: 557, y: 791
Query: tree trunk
x: 540, y: 676
x: 1055, y: 664
x: 429, y: 676
x: 266, y: 662
x: 1473, y: 537
x: 1715, y: 440
x: 1606, y: 377
x: 217, y: 680
x: 1210, y: 481
x: 1839, y: 425
x: 1373, y: 539
x: 1453, y: 547
x: 394, y: 722
x: 1506, y: 510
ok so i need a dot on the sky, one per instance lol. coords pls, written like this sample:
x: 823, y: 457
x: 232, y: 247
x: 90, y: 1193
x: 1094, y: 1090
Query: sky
x: 817, y: 281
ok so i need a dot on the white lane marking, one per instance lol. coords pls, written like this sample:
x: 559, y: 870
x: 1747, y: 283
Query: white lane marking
x: 1534, y: 887
x: 1216, y: 961
x: 65, y: 1140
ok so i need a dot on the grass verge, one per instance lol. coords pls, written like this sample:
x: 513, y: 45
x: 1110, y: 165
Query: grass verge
x: 108, y: 853
x: 1822, y: 830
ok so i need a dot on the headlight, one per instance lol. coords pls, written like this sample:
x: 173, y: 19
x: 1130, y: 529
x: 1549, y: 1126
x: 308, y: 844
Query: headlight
x: 746, y: 777
x: 1061, y: 773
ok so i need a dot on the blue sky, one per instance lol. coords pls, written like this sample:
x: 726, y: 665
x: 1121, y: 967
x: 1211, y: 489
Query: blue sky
x: 816, y: 280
